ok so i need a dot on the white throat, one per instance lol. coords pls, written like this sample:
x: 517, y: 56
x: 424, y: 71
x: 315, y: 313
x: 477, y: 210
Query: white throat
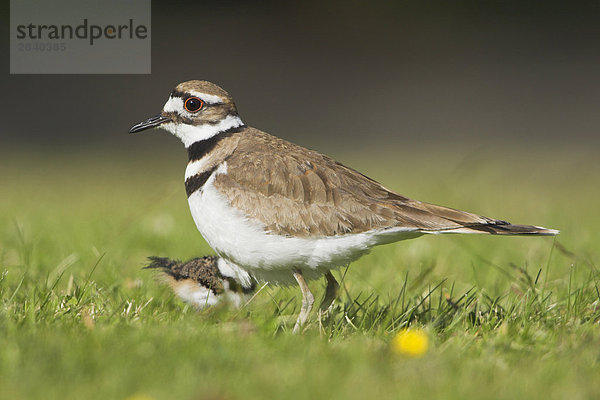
x: 190, y: 134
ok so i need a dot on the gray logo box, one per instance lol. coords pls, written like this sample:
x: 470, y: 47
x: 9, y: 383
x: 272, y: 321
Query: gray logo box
x: 80, y: 37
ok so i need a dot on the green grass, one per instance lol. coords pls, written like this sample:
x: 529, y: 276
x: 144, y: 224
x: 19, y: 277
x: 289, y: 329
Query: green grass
x: 507, y: 317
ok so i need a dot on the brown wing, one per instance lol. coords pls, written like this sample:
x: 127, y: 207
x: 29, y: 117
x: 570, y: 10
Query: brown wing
x: 296, y: 191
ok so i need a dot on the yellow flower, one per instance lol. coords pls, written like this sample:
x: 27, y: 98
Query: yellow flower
x: 410, y: 342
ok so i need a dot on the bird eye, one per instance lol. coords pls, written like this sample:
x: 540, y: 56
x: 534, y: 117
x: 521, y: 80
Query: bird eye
x: 193, y: 104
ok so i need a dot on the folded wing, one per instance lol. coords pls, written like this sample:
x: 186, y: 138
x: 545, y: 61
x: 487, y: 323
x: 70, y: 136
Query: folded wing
x: 304, y: 193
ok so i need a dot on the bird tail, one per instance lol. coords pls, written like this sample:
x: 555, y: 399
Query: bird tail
x: 166, y: 264
x: 503, y: 228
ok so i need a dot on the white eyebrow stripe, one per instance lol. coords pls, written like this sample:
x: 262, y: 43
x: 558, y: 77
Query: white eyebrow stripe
x: 207, y: 98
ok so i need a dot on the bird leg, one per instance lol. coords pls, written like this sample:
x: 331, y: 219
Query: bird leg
x: 307, y: 301
x: 331, y: 293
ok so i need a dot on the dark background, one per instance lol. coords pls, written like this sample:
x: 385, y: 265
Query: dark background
x: 350, y: 74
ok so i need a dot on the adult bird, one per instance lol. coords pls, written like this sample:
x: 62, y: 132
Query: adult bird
x: 285, y: 213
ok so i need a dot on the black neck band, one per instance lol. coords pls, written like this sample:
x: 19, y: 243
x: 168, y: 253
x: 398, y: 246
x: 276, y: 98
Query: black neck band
x: 199, y: 149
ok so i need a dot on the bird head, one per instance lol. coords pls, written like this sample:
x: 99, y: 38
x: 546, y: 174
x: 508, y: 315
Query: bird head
x: 195, y: 111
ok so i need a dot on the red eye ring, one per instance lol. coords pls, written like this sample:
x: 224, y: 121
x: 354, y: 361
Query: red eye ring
x: 193, y: 104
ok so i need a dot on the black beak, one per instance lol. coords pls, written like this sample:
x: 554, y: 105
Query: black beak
x: 149, y: 123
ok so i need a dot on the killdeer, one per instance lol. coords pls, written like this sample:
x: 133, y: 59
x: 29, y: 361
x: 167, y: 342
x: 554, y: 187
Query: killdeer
x: 284, y: 213
x: 204, y: 281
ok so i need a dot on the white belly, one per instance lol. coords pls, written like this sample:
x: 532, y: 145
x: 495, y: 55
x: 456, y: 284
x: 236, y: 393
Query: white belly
x: 273, y: 257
